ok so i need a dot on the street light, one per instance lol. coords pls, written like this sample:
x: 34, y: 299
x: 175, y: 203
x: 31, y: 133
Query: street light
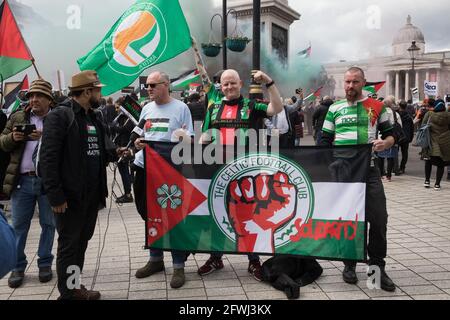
x: 412, y: 53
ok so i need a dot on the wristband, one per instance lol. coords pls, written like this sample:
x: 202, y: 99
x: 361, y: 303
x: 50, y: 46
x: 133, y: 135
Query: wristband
x: 268, y: 85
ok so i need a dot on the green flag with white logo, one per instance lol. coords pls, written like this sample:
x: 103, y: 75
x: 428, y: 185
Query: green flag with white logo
x: 148, y: 33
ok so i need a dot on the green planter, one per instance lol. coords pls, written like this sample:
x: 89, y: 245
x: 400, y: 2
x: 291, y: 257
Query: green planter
x: 211, y: 49
x: 237, y: 45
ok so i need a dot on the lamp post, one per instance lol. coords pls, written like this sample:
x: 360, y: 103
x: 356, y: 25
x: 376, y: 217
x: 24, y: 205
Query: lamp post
x: 256, y: 91
x: 413, y: 53
x: 224, y: 33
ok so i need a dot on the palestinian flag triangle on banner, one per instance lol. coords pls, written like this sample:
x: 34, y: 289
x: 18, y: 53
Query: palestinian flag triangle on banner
x: 313, y: 96
x: 185, y: 80
x: 374, y: 87
x: 12, y: 102
x: 288, y: 203
x: 14, y: 54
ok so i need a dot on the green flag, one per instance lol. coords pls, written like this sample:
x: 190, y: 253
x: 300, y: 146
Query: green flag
x: 148, y: 33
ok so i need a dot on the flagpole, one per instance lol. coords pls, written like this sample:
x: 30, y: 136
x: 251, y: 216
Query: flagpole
x: 1, y: 90
x: 35, y: 68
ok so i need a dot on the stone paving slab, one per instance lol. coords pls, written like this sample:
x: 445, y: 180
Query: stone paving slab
x: 418, y: 260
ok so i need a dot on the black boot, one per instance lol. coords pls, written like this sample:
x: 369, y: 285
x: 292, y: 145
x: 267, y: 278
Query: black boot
x: 349, y: 274
x: 386, y: 283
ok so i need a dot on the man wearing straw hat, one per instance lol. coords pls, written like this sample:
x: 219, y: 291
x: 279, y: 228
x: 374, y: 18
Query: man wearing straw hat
x: 72, y: 163
x: 19, y: 139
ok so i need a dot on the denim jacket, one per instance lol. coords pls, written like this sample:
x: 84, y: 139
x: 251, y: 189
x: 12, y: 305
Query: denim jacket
x: 8, y: 256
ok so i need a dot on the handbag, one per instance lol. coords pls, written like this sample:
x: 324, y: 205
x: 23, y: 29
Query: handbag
x: 400, y: 137
x: 423, y: 135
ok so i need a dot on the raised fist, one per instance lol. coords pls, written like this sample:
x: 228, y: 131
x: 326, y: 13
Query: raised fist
x: 257, y: 207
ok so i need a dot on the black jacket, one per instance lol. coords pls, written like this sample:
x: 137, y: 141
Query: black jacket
x: 407, y: 125
x: 319, y: 116
x: 63, y: 156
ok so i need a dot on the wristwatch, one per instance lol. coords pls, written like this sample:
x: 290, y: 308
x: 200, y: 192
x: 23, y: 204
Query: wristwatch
x: 268, y: 85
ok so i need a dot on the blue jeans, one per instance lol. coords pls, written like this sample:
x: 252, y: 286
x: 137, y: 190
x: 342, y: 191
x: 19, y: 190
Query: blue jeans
x: 23, y: 201
x: 178, y: 257
x: 8, y: 257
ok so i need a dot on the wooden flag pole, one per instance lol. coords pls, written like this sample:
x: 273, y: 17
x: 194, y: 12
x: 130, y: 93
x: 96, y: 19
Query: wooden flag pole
x: 35, y: 68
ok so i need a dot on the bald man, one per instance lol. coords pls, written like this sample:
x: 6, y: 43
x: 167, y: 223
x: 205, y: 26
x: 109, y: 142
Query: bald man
x: 228, y: 119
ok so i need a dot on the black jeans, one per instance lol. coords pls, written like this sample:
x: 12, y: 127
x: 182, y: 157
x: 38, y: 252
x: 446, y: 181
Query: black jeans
x: 139, y: 192
x: 390, y: 166
x: 436, y: 161
x: 75, y: 228
x: 124, y: 170
x: 404, y: 148
x: 377, y: 216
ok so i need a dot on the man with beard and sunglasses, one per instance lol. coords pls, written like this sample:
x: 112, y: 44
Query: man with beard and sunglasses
x: 72, y: 162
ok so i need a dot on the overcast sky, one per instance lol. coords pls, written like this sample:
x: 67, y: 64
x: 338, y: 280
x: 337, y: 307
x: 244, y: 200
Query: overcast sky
x: 338, y: 30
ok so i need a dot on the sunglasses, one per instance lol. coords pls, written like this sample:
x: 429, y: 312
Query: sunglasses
x: 152, y: 85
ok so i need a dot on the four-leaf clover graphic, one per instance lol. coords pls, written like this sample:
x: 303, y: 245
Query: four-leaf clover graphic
x: 174, y: 195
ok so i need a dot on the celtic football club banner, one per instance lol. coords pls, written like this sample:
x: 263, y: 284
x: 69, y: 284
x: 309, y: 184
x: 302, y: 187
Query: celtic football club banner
x: 308, y: 201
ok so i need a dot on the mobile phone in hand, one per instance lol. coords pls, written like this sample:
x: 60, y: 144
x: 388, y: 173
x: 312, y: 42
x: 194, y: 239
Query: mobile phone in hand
x: 26, y: 129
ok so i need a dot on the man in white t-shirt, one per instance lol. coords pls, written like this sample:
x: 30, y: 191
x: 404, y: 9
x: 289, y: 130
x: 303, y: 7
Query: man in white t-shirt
x: 168, y: 120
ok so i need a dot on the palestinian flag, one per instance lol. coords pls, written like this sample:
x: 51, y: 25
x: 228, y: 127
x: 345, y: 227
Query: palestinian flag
x: 305, y: 53
x: 308, y: 202
x: 12, y: 102
x: 14, y: 54
x: 313, y: 96
x: 374, y: 87
x: 185, y: 80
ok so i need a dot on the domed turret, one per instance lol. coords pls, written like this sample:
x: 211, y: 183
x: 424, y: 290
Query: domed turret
x: 404, y: 38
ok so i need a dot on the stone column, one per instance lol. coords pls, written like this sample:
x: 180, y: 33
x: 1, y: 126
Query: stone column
x: 438, y: 80
x: 416, y: 82
x: 388, y: 84
x: 397, y: 84
x: 427, y: 75
x: 406, y: 86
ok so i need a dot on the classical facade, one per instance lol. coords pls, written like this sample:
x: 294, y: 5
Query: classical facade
x: 397, y: 70
x: 276, y: 18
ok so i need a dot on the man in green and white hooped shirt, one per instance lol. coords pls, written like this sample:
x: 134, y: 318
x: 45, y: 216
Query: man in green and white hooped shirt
x: 228, y: 118
x: 356, y: 121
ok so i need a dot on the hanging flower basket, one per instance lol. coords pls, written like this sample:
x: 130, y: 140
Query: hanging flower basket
x: 237, y: 44
x: 211, y: 49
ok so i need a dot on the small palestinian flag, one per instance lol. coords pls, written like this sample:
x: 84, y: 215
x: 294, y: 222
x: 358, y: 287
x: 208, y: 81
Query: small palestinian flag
x: 12, y: 102
x: 185, y: 80
x: 14, y: 54
x: 313, y: 96
x: 91, y: 130
x: 305, y: 53
x: 157, y: 125
x: 374, y: 87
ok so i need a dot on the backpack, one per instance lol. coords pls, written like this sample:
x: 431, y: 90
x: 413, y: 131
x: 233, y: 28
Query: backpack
x: 36, y: 152
x: 423, y: 136
x: 400, y: 137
